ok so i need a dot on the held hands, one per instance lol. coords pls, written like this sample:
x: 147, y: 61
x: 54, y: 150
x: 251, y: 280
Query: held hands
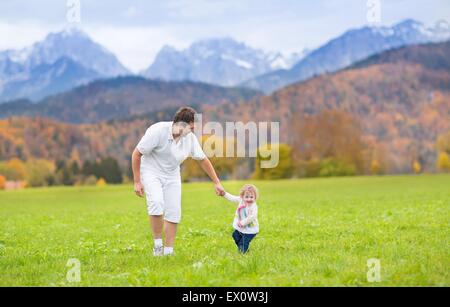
x: 139, y: 189
x: 220, y: 191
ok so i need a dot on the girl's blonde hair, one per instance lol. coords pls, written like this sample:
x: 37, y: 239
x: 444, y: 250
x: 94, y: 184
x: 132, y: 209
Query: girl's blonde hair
x: 250, y: 188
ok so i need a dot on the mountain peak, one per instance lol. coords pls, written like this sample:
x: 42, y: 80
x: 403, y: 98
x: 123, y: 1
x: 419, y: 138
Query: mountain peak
x: 168, y: 49
x: 70, y: 52
x: 352, y: 46
x: 73, y: 31
x: 219, y: 60
x: 76, y: 44
x: 220, y: 44
x: 442, y: 25
x: 67, y: 34
x: 216, y: 40
x: 409, y: 23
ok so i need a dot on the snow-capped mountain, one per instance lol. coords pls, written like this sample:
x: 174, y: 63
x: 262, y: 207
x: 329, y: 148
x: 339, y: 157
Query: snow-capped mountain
x: 37, y: 71
x: 349, y: 48
x: 45, y: 79
x: 221, y: 61
x: 279, y: 60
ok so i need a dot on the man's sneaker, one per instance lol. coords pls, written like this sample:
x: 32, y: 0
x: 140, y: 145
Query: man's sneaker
x: 158, y: 251
x: 168, y: 252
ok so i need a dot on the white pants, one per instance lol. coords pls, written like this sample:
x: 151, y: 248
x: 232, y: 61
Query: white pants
x: 163, y: 195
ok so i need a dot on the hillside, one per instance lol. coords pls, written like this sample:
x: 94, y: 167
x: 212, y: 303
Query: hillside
x: 59, y: 62
x: 221, y: 61
x: 25, y: 138
x: 40, y: 137
x: 401, y: 98
x: 123, y: 97
x: 351, y: 47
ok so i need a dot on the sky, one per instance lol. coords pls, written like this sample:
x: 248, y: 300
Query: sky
x: 135, y: 30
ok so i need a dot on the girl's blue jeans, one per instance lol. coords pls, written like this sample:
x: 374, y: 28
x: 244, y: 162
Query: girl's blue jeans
x: 243, y: 240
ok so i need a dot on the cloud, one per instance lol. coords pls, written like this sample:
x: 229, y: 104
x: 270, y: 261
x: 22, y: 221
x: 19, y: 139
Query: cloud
x: 190, y: 9
x: 136, y: 30
x: 136, y: 47
x: 131, y: 12
x: 22, y: 34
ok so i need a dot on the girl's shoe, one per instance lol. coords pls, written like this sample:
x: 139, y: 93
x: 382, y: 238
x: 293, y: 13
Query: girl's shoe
x: 158, y: 251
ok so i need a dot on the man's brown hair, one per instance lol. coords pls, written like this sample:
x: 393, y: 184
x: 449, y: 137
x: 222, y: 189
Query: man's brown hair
x: 184, y: 114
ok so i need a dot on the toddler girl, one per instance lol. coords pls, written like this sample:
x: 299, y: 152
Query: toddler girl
x: 245, y: 222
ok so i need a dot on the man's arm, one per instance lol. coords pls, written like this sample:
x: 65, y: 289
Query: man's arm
x: 209, y: 170
x: 136, y: 167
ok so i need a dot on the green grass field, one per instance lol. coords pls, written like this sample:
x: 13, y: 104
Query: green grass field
x: 313, y: 232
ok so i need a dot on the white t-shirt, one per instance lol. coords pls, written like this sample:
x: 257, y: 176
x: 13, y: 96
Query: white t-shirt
x: 162, y: 155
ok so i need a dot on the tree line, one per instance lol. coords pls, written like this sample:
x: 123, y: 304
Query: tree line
x: 329, y: 143
x: 41, y: 172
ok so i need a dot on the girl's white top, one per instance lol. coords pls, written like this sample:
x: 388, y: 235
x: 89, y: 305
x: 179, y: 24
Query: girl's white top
x: 247, y: 215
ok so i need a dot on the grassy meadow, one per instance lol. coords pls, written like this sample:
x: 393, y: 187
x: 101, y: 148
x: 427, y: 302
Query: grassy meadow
x: 314, y: 232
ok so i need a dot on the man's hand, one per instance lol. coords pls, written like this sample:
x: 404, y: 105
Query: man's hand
x: 220, y: 191
x: 139, y: 189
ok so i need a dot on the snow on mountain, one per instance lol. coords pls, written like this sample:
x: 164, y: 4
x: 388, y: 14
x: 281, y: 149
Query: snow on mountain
x: 45, y: 79
x: 349, y: 48
x: 32, y: 71
x: 221, y: 61
x: 281, y: 61
x: 76, y: 45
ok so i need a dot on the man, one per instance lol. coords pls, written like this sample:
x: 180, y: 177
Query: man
x: 156, y: 171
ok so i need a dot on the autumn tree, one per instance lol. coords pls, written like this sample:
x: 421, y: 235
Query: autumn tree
x: 443, y: 162
x: 331, y: 139
x: 13, y: 169
x: 214, y: 148
x: 101, y: 182
x: 282, y: 169
x: 443, y: 149
x: 109, y: 169
x: 40, y: 172
x: 375, y: 167
x: 443, y: 142
x: 417, y: 167
x: 2, y: 182
x: 64, y: 174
